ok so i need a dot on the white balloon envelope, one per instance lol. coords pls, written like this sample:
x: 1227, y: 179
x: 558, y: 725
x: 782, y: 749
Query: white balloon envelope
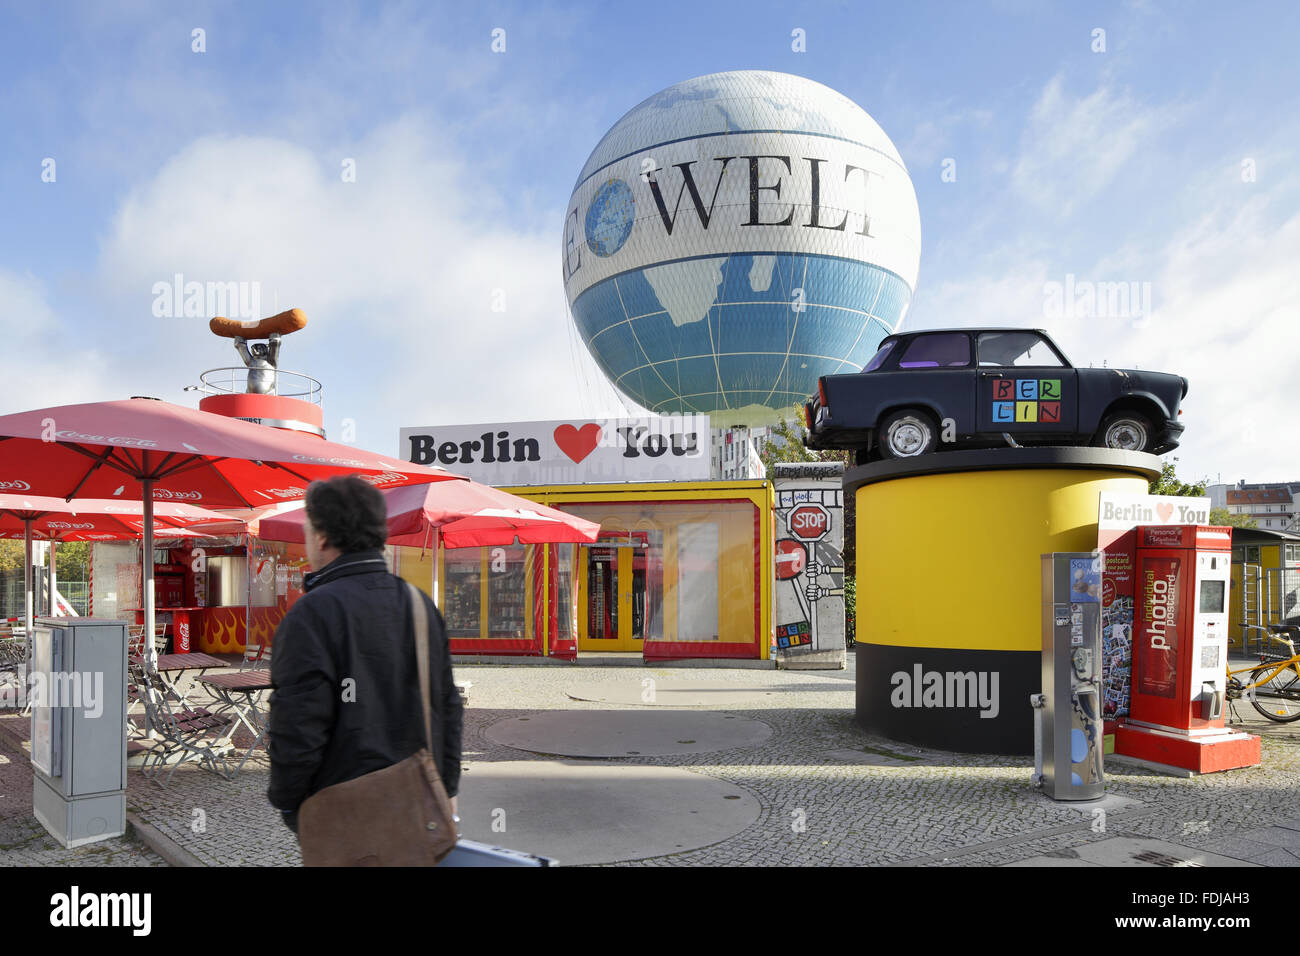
x: 736, y: 236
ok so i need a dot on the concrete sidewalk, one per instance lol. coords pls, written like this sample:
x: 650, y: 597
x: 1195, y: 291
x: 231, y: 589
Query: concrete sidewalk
x: 723, y: 766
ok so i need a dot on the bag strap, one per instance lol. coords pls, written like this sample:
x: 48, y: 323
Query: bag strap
x: 421, y: 618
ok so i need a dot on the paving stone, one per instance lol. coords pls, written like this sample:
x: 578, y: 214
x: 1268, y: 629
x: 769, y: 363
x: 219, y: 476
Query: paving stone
x: 1277, y: 857
x: 1280, y: 837
x: 945, y: 809
x: 1241, y: 847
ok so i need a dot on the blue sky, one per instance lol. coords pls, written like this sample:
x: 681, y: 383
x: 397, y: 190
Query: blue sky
x: 1168, y: 160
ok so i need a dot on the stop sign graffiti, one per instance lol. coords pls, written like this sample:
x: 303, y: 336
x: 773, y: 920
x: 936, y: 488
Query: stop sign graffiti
x: 809, y: 522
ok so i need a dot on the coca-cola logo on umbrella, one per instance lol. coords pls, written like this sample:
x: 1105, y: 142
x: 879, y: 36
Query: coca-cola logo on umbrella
x: 70, y: 435
x: 384, y: 478
x: 15, y: 485
x: 286, y: 492
x: 348, y: 462
x: 164, y: 494
x: 68, y: 525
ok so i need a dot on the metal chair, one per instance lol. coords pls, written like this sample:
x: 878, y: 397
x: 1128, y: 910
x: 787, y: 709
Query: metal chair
x: 135, y: 698
x: 13, y: 662
x: 258, y: 660
x: 180, y: 732
x: 135, y: 640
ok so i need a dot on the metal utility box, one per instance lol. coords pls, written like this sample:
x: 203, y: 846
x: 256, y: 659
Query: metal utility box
x: 1069, y: 724
x: 78, y: 694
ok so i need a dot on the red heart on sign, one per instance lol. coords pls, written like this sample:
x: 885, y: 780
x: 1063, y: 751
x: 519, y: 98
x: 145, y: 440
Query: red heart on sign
x: 578, y: 443
x: 1164, y: 510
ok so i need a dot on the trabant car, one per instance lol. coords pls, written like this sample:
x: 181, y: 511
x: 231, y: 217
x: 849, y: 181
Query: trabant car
x: 955, y: 388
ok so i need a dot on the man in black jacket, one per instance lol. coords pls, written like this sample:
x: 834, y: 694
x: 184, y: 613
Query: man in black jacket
x: 346, y: 698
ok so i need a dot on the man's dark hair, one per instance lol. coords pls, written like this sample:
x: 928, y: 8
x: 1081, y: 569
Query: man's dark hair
x: 351, y: 513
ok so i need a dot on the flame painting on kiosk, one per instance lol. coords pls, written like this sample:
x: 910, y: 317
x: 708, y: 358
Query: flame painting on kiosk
x: 223, y: 631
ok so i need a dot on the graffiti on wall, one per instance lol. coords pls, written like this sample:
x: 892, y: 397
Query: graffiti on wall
x: 809, y: 591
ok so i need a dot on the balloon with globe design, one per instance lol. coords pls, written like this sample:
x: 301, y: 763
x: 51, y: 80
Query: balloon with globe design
x: 733, y: 238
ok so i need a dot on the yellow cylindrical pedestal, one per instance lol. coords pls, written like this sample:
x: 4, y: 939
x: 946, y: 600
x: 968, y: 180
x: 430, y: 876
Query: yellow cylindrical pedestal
x: 949, y: 625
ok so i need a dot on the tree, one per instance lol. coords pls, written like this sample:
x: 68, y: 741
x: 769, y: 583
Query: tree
x: 73, y: 558
x: 1222, y: 517
x: 11, y: 555
x: 785, y: 445
x: 1169, y: 483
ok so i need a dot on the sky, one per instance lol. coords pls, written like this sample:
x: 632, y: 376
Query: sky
x: 385, y: 169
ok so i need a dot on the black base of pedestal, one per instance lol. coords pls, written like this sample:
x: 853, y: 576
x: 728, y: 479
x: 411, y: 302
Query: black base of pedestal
x: 962, y: 700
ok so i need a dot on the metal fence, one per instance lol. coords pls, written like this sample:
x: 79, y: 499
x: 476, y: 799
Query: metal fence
x: 12, y: 603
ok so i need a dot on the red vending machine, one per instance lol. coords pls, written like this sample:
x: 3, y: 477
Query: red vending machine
x: 1180, y: 653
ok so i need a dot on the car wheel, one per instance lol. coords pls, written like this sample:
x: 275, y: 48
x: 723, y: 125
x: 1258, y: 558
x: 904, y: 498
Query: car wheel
x: 1126, y: 431
x: 906, y: 434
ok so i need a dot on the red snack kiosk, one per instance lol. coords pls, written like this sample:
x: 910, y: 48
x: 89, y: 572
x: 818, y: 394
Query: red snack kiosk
x: 175, y: 603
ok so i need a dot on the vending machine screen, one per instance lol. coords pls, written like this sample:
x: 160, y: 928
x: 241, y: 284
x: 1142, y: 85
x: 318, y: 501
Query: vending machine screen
x: 1211, y: 597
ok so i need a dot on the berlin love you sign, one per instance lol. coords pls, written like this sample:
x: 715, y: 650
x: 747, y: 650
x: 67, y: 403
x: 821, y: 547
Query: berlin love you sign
x: 667, y: 448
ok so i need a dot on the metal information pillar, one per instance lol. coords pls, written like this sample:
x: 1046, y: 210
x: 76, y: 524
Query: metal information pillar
x: 1068, y: 718
x: 79, y: 728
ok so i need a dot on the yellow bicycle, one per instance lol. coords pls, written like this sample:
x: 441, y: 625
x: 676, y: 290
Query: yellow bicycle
x: 1274, y: 686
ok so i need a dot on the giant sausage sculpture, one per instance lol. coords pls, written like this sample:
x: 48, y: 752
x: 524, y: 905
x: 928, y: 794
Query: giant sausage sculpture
x: 288, y: 321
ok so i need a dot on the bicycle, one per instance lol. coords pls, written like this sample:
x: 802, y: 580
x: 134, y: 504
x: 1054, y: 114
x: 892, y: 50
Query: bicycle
x: 1274, y: 687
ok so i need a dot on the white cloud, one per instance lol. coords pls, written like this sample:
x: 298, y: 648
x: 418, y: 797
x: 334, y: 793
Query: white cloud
x: 933, y: 139
x: 45, y: 364
x: 1010, y: 298
x: 1226, y: 315
x: 1073, y: 147
x: 399, y: 273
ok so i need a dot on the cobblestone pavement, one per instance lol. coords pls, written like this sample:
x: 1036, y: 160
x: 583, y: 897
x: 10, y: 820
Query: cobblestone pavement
x: 830, y: 793
x: 24, y: 842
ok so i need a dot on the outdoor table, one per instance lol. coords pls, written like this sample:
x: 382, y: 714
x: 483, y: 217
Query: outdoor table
x: 172, y: 667
x: 228, y: 688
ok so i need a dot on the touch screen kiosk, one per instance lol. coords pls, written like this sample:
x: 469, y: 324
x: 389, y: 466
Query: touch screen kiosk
x: 78, y: 696
x: 1068, y: 711
x: 1180, y: 652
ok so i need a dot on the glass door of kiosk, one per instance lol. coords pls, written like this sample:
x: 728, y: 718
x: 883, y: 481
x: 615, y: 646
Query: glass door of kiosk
x: 612, y: 594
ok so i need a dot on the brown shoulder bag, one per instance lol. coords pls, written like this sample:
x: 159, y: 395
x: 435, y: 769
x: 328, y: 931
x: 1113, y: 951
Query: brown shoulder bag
x: 398, y: 816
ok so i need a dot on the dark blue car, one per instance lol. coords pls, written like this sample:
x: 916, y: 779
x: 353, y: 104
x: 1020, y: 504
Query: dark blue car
x: 956, y: 388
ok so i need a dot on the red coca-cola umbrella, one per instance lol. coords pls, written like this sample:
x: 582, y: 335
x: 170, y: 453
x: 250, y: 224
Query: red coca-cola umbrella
x: 96, y: 519
x: 143, y: 449
x: 36, y: 518
x: 235, y: 521
x: 464, y: 514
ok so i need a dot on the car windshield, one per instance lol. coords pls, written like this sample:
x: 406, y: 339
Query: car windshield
x: 1016, y: 348
x: 879, y: 358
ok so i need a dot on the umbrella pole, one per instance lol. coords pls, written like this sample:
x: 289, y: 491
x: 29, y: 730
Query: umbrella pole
x: 54, y: 580
x: 437, y: 568
x: 146, y: 568
x: 248, y: 593
x: 27, y: 577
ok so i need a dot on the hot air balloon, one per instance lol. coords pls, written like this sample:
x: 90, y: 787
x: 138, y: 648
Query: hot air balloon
x: 734, y: 237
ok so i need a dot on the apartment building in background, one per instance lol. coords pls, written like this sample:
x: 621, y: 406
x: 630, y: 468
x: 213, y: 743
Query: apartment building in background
x: 1275, y: 506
